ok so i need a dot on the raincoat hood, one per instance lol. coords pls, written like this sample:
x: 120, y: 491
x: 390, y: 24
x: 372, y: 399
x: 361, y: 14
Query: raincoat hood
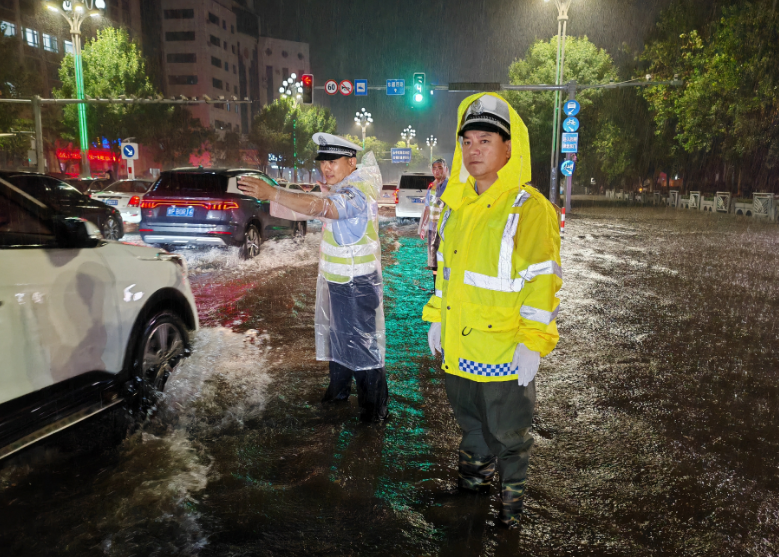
x: 515, y: 173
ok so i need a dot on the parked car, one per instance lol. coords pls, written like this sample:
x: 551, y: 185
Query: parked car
x: 67, y: 200
x: 89, y: 185
x: 412, y: 190
x: 125, y: 195
x: 204, y: 207
x: 387, y: 194
x: 85, y: 324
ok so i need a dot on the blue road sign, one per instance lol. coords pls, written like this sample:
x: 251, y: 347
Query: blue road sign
x: 567, y: 168
x: 360, y: 87
x: 570, y: 143
x: 401, y: 155
x: 396, y: 86
x: 571, y: 108
x: 128, y: 151
x: 571, y: 124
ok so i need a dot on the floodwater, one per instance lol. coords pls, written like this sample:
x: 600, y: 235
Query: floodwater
x: 655, y: 424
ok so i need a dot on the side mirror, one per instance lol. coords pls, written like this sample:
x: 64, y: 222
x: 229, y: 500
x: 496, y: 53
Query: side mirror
x: 73, y: 232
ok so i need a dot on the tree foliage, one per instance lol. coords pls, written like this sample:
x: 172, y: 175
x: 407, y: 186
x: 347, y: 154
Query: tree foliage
x: 585, y: 63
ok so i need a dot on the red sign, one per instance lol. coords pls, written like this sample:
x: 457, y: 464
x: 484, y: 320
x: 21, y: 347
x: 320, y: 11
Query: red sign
x: 103, y: 155
x: 346, y: 87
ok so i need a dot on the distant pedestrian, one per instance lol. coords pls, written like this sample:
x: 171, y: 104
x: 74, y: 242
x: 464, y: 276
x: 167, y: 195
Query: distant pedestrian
x: 493, y: 315
x: 428, y: 224
x: 349, y: 321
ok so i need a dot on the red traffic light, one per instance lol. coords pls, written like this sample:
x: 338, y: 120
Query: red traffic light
x: 308, y: 88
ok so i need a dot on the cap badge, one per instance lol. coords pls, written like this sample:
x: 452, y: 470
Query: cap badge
x: 322, y: 142
x: 477, y: 107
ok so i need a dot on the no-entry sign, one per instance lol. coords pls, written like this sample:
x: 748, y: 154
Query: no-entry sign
x: 346, y: 87
x: 331, y: 87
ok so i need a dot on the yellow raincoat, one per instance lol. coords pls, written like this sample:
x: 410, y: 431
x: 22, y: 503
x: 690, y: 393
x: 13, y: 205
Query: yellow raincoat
x: 500, y: 255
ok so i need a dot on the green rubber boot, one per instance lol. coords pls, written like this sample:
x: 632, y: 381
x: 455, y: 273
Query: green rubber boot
x: 476, y: 472
x: 512, y: 496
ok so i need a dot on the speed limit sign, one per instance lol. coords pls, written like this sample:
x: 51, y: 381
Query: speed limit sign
x: 331, y: 87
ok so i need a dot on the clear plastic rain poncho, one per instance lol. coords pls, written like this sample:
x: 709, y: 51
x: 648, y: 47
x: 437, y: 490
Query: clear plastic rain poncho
x: 349, y: 319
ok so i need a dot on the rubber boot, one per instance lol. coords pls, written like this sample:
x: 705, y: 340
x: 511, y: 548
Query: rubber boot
x: 476, y: 472
x: 512, y: 497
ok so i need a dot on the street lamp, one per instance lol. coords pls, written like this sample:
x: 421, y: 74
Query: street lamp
x: 75, y: 12
x: 408, y: 134
x: 562, y: 24
x: 432, y: 141
x: 363, y: 119
x: 294, y: 90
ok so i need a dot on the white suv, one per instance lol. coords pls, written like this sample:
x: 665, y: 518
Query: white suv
x: 412, y: 191
x: 85, y: 324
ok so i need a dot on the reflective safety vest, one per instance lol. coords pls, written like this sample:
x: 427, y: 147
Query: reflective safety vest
x: 500, y: 255
x: 341, y: 263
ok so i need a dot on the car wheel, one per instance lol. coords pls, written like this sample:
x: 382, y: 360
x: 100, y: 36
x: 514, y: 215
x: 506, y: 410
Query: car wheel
x: 299, y: 229
x: 161, y: 348
x: 111, y: 229
x: 251, y: 243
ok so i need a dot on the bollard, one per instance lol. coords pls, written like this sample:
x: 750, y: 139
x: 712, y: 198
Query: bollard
x: 562, y: 224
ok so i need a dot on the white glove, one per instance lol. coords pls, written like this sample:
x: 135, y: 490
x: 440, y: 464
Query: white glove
x: 525, y: 364
x: 434, y: 338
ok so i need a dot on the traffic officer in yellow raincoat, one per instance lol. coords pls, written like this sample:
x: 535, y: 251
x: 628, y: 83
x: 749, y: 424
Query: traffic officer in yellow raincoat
x: 493, y: 315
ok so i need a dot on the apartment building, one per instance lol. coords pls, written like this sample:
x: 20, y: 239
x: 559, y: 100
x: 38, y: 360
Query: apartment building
x: 280, y: 59
x: 44, y: 37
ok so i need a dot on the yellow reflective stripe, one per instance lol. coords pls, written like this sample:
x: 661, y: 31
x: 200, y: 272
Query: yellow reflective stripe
x: 345, y: 270
x: 353, y: 250
x: 328, y: 238
x: 349, y: 260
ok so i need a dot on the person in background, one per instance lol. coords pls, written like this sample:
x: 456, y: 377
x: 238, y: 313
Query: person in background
x: 428, y: 224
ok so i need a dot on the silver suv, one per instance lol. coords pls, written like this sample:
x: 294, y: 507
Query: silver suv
x: 412, y: 190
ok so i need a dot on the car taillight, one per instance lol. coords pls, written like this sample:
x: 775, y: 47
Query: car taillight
x: 219, y: 206
x: 396, y: 196
x: 134, y: 201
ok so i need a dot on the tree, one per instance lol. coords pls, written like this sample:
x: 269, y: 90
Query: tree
x: 728, y: 110
x: 372, y: 144
x: 585, y: 63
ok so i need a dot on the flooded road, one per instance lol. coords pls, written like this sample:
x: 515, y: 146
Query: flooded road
x: 655, y: 424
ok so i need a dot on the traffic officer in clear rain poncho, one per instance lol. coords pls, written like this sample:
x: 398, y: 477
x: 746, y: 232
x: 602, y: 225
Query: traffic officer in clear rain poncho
x: 349, y: 323
x: 493, y: 315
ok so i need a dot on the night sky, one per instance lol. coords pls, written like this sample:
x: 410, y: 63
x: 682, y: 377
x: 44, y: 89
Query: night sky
x: 456, y: 40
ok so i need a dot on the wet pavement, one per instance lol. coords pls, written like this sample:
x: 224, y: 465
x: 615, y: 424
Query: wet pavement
x: 655, y: 424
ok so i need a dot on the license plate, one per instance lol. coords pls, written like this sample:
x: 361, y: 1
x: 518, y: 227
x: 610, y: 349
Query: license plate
x: 418, y: 199
x: 181, y: 211
x: 110, y: 202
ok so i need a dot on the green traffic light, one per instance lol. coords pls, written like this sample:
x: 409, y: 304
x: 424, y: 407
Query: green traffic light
x: 419, y: 86
x: 418, y: 97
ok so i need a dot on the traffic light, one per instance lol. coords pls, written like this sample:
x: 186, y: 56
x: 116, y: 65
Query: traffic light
x: 419, y: 88
x: 308, y: 88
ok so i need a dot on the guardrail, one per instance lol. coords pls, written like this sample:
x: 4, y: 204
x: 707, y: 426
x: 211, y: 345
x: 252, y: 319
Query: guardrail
x: 763, y: 205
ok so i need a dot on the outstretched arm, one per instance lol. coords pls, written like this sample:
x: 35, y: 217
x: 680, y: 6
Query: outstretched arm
x: 303, y: 203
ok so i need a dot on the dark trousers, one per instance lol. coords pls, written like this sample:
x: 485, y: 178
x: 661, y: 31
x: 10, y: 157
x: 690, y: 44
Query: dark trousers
x: 495, y: 418
x: 372, y: 392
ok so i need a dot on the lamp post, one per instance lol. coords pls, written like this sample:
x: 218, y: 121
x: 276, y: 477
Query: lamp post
x: 408, y: 134
x: 294, y: 90
x: 432, y: 141
x: 75, y: 12
x: 562, y: 24
x: 363, y: 119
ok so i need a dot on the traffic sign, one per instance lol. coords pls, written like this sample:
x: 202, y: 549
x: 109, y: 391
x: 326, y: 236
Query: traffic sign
x: 360, y: 87
x: 567, y: 168
x: 331, y: 87
x: 571, y: 108
x: 396, y: 86
x: 346, y: 87
x: 401, y: 155
x: 130, y: 151
x: 570, y: 143
x: 571, y: 124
